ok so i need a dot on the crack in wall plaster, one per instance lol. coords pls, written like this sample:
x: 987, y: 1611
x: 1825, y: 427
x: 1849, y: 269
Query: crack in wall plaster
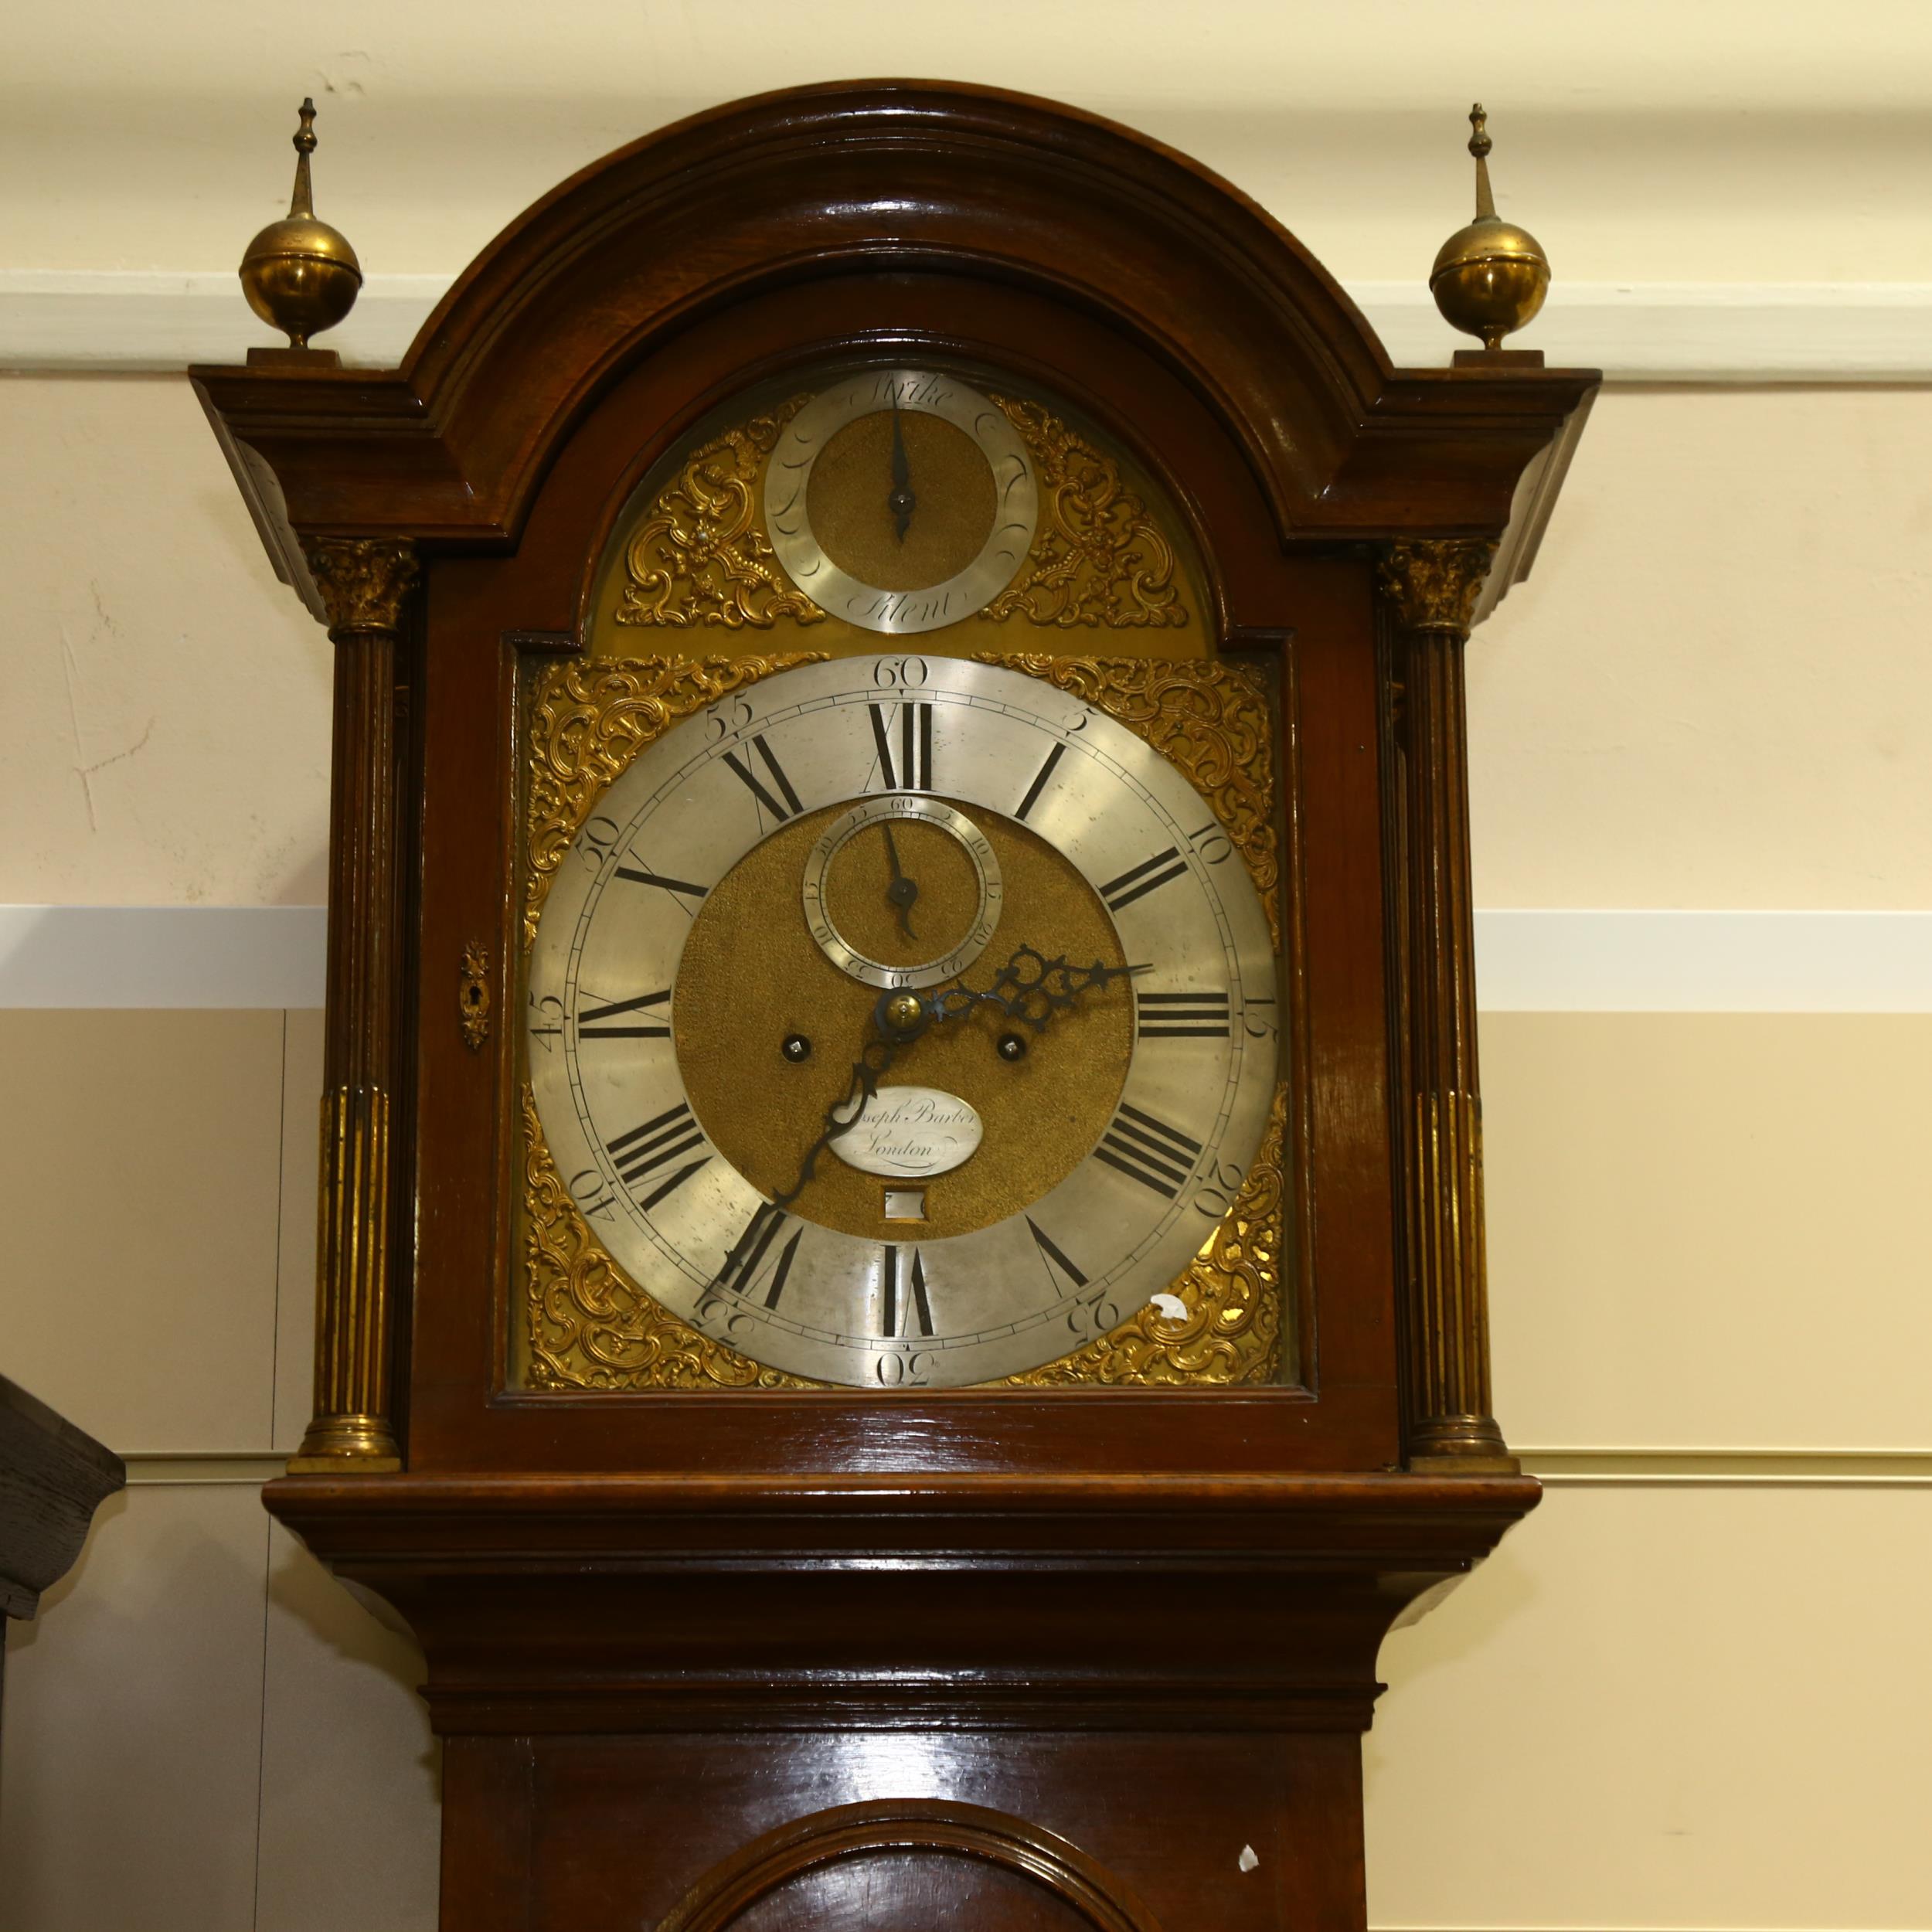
x: 85, y: 772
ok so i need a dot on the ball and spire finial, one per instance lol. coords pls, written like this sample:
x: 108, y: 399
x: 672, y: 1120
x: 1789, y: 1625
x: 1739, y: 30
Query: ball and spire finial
x: 1490, y: 278
x: 301, y: 275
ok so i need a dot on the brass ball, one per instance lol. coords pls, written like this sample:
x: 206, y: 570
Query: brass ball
x: 301, y: 276
x: 1490, y: 279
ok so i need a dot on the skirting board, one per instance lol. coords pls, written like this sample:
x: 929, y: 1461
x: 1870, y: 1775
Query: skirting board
x: 1560, y: 961
x: 131, y: 320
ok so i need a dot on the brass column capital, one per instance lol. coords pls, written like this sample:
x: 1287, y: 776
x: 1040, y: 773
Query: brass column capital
x: 1432, y: 583
x: 363, y: 580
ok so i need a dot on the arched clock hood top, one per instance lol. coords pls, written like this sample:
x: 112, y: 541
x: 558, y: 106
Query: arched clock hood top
x: 895, y: 178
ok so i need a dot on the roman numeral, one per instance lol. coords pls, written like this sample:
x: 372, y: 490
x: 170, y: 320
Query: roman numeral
x: 639, y: 876
x: 912, y: 771
x: 756, y: 786
x: 590, y: 1027
x: 747, y: 1256
x: 1150, y: 873
x: 1038, y: 785
x: 642, y: 1155
x: 1182, y: 1015
x: 907, y: 1301
x: 1155, y: 1154
x: 1054, y: 1255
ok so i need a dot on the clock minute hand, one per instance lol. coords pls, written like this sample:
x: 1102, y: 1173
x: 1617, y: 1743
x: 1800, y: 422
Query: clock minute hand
x: 901, y: 503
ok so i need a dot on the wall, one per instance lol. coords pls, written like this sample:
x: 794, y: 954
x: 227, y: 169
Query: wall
x: 1691, y: 1691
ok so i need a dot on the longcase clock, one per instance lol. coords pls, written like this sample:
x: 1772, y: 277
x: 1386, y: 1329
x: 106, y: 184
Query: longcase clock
x: 901, y: 1295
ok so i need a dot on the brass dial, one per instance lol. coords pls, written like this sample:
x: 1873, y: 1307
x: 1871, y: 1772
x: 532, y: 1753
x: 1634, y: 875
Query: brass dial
x: 704, y: 1071
x: 901, y: 500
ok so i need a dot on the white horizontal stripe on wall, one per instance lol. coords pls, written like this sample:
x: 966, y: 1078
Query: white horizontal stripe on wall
x: 128, y: 956
x: 1635, y: 962
x: 1560, y: 961
x: 132, y: 319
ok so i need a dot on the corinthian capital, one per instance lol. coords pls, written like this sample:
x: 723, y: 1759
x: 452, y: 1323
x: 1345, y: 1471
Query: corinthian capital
x: 363, y: 580
x: 1432, y: 582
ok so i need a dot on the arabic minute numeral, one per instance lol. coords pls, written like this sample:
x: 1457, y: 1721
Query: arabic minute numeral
x: 1148, y: 1151
x: 548, y: 1009
x: 911, y: 1369
x: 594, y: 841
x: 1215, y: 1196
x: 593, y: 1193
x: 1212, y: 843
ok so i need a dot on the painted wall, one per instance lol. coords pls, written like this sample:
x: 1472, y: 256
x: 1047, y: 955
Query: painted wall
x: 1692, y: 1691
x: 1641, y: 139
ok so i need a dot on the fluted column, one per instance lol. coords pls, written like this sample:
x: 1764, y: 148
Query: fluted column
x: 363, y: 584
x: 1431, y: 587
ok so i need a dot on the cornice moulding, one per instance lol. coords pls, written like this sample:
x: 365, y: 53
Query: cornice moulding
x: 130, y: 322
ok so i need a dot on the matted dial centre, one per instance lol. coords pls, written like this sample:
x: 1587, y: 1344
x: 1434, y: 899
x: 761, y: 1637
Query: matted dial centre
x: 752, y: 975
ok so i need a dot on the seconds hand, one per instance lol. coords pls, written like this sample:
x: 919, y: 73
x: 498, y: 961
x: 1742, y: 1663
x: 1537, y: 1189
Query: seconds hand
x: 901, y: 892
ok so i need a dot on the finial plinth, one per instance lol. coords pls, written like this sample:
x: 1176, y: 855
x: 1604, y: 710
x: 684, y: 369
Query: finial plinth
x: 1490, y: 278
x: 301, y: 275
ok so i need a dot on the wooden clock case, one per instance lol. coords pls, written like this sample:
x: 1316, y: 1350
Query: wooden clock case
x: 1039, y: 1658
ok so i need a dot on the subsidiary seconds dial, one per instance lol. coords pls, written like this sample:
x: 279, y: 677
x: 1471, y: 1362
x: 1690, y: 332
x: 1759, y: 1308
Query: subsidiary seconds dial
x: 902, y: 1022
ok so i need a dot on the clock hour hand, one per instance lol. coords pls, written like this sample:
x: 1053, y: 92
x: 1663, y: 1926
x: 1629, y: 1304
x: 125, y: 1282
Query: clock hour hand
x: 902, y: 892
x: 902, y: 502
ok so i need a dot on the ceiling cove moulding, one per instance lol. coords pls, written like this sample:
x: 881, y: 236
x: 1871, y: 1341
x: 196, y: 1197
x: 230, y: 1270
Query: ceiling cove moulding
x: 129, y: 322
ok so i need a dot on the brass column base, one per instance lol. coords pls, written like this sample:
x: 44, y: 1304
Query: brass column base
x: 346, y: 1445
x: 1460, y: 1445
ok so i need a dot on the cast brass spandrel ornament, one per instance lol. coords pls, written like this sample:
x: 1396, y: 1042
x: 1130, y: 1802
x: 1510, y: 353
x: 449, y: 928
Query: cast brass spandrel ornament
x: 586, y: 720
x: 1098, y: 560
x: 701, y: 556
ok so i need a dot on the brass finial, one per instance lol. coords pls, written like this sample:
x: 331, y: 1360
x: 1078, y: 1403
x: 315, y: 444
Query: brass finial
x: 1490, y: 278
x: 301, y: 275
